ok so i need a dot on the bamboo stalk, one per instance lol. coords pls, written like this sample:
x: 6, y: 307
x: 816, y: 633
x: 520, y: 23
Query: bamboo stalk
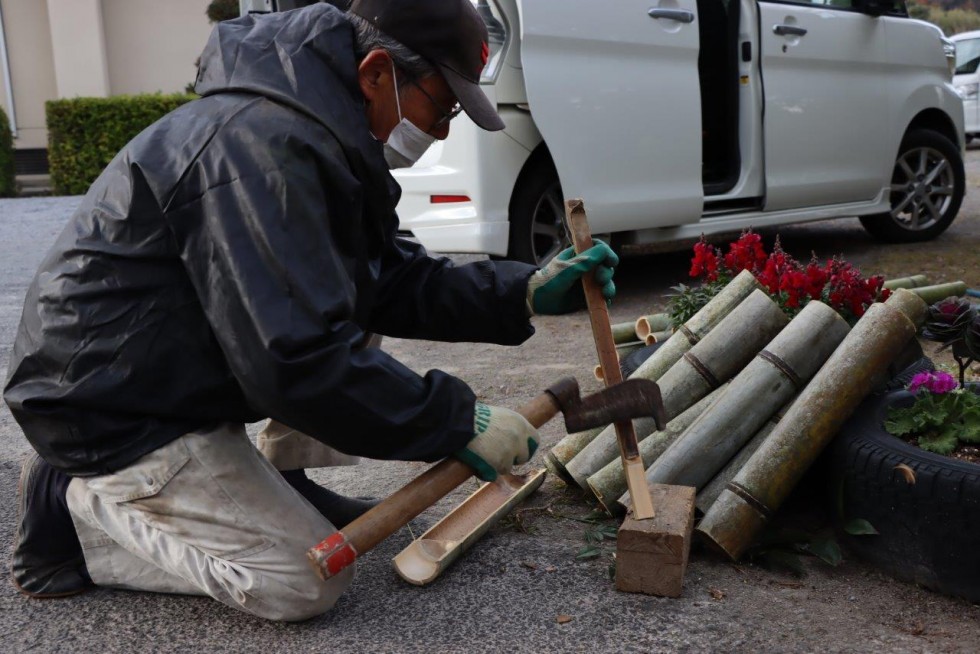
x: 668, y: 354
x: 608, y: 484
x: 913, y: 281
x: 657, y: 337
x: 761, y: 486
x: 656, y: 322
x: 757, y: 392
x: 938, y: 292
x: 566, y: 449
x: 623, y: 332
x: 715, y: 359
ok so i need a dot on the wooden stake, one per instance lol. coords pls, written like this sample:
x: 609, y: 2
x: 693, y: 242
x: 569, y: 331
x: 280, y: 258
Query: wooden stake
x: 606, y: 350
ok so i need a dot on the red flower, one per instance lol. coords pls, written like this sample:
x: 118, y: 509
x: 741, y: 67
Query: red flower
x: 705, y: 261
x: 747, y: 253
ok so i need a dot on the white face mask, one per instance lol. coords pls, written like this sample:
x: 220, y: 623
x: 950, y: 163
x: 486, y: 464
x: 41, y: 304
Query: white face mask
x: 407, y: 143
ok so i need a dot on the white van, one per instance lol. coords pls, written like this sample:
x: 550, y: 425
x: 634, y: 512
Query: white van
x: 673, y: 118
x: 966, y: 79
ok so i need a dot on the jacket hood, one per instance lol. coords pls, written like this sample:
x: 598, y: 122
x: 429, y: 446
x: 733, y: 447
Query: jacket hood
x: 302, y: 58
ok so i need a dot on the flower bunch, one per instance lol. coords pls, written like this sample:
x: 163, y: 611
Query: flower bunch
x: 942, y: 416
x: 936, y: 382
x: 835, y: 282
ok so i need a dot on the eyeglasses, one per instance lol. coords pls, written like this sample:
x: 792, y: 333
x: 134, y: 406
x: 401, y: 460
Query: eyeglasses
x: 446, y: 115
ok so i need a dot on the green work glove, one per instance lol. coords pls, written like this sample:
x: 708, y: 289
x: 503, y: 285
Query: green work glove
x: 557, y: 288
x: 502, y: 439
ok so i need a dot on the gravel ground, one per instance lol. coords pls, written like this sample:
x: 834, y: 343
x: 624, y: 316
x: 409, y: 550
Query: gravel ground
x: 506, y: 593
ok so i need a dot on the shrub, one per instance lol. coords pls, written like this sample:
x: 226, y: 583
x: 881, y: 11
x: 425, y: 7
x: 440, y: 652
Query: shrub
x: 84, y: 134
x: 7, y: 183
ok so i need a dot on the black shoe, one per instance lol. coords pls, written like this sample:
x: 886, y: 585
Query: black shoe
x: 47, y: 559
x: 339, y: 510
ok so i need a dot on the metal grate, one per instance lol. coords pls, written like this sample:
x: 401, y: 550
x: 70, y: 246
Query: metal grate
x: 31, y: 161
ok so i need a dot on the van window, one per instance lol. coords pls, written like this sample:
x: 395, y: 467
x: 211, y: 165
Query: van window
x: 967, y: 56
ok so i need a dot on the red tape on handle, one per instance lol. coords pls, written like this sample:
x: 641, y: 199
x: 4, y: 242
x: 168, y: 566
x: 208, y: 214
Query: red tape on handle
x: 332, y: 555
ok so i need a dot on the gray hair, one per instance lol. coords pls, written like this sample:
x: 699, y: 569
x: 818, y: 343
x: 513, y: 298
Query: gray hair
x: 367, y: 37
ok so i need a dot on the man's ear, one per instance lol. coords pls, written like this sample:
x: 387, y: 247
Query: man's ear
x: 374, y: 74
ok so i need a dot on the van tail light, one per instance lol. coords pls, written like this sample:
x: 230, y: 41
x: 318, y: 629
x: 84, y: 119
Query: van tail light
x: 446, y: 199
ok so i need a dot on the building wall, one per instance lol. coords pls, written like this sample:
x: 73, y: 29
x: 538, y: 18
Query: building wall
x: 71, y: 48
x: 31, y: 68
x: 151, y: 46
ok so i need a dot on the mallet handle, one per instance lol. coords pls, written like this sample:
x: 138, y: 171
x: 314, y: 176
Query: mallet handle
x: 605, y: 347
x: 339, y: 550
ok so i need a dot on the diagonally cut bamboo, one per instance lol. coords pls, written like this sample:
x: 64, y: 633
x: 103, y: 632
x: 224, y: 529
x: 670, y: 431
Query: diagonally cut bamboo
x: 909, y: 303
x: 715, y: 359
x: 609, y: 483
x: 657, y: 322
x: 713, y: 489
x: 914, y: 281
x: 667, y: 354
x: 761, y: 486
x: 778, y: 372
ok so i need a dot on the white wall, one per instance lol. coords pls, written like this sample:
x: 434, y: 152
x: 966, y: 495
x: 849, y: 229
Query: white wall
x: 31, y: 68
x: 152, y: 45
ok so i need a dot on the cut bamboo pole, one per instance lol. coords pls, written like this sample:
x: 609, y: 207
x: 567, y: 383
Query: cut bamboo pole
x: 698, y: 326
x: 779, y: 371
x: 609, y: 483
x: 428, y: 556
x: 707, y: 496
x: 657, y: 337
x: 623, y: 332
x: 761, y: 486
x: 938, y: 292
x: 629, y: 451
x: 908, y: 302
x: 913, y: 281
x: 715, y: 359
x: 657, y: 322
x: 668, y: 354
x: 565, y: 451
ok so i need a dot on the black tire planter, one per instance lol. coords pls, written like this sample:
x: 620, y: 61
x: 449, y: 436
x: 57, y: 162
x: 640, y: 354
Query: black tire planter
x: 929, y: 531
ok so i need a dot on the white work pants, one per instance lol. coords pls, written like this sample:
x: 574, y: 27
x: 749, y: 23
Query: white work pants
x: 206, y: 515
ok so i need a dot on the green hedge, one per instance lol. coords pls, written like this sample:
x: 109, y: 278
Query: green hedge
x: 8, y: 187
x: 84, y: 134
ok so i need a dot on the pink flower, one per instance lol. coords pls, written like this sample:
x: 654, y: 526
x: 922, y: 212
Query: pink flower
x: 920, y: 380
x: 943, y: 382
x: 938, y: 382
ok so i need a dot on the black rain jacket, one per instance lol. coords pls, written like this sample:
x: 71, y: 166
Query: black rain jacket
x: 228, y: 262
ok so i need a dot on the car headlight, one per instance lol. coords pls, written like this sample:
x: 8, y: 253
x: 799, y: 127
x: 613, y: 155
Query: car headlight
x: 967, y: 91
x: 498, y: 32
x: 949, y: 49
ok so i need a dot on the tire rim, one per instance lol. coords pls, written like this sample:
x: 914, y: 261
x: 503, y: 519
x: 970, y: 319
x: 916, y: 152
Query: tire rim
x: 922, y: 188
x: 549, y: 236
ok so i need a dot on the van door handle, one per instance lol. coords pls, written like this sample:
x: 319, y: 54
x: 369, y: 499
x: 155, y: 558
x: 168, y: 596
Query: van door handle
x: 789, y: 30
x: 680, y: 15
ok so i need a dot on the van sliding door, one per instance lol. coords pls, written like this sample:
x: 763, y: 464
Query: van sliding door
x: 613, y: 88
x: 825, y: 120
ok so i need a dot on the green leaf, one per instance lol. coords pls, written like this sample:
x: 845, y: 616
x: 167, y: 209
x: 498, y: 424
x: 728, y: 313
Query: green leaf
x: 860, y: 527
x: 588, y: 553
x: 940, y: 442
x: 826, y: 549
x: 901, y: 422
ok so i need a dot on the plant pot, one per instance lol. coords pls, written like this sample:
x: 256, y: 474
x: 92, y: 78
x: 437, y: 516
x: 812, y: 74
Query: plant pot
x: 929, y: 530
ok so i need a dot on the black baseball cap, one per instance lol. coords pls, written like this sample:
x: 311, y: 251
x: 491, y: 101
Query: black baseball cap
x: 450, y: 35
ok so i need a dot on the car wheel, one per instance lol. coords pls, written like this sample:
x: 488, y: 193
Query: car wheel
x: 927, y: 187
x: 537, y: 217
